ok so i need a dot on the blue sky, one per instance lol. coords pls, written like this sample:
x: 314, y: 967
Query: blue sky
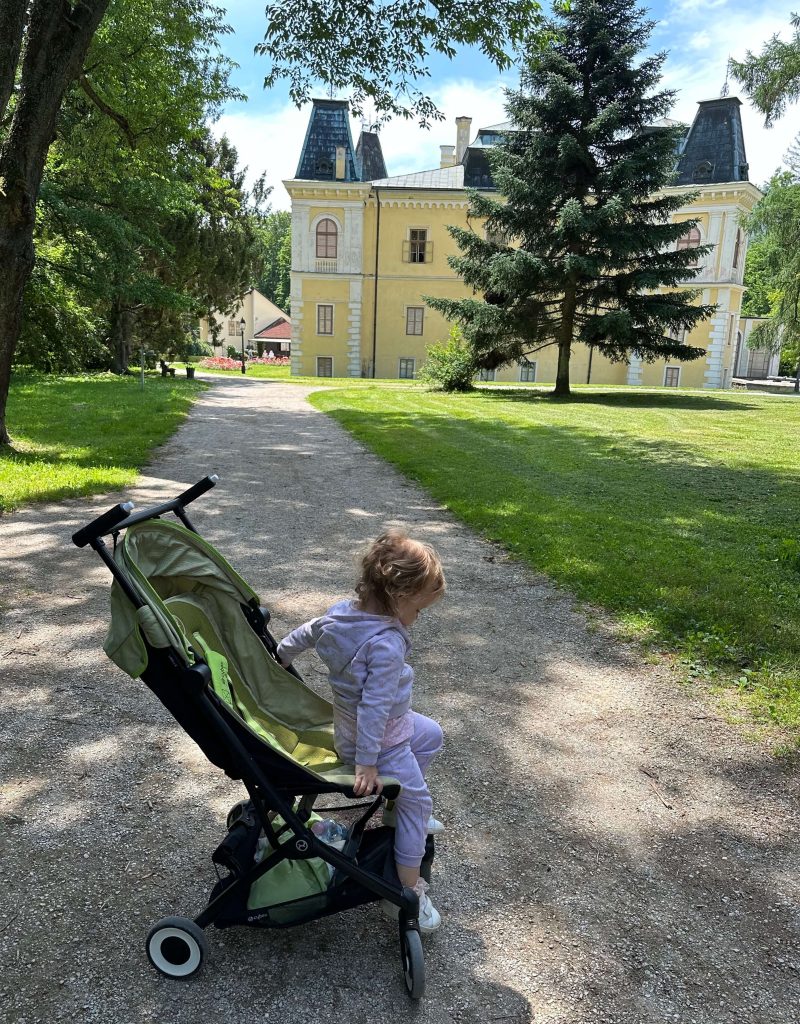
x: 699, y: 34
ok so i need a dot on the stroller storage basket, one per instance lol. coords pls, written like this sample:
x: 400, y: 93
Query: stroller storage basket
x: 186, y: 623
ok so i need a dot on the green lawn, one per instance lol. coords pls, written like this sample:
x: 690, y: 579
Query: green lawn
x: 85, y: 435
x: 262, y: 372
x: 677, y: 512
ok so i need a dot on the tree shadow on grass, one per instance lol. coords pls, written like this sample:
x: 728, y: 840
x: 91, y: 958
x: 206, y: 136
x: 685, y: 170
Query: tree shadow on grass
x: 644, y: 527
x: 621, y: 399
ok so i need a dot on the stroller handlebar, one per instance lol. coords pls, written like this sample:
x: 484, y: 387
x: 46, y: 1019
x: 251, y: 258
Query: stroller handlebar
x: 108, y: 521
x: 197, y: 489
x: 104, y: 523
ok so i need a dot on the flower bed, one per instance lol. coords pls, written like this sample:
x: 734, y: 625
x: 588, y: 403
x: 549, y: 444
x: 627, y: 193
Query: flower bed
x: 224, y: 363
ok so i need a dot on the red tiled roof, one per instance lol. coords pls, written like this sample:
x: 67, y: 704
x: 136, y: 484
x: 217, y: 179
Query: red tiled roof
x: 277, y: 329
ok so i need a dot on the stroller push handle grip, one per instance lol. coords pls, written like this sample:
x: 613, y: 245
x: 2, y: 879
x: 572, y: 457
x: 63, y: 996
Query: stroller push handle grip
x: 103, y: 524
x: 199, y: 488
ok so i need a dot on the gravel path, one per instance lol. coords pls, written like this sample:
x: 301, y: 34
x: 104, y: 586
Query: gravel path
x: 615, y: 852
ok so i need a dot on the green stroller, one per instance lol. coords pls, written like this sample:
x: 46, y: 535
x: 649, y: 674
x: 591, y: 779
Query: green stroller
x: 186, y: 624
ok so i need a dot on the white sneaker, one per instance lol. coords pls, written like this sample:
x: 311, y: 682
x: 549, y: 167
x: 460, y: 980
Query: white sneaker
x: 429, y: 916
x: 390, y: 818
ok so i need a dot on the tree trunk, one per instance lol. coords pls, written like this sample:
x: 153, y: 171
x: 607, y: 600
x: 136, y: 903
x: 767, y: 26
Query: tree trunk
x: 57, y: 39
x: 122, y: 322
x: 568, y: 307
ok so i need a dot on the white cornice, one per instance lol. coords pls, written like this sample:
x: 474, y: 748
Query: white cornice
x: 302, y: 189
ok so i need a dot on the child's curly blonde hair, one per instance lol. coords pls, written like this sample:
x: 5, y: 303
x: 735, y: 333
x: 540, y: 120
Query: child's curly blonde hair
x: 394, y: 567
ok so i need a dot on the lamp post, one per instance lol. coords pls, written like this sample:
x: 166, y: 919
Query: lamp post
x: 242, y: 325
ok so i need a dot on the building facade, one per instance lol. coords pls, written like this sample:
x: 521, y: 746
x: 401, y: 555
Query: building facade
x: 265, y: 326
x: 367, y: 248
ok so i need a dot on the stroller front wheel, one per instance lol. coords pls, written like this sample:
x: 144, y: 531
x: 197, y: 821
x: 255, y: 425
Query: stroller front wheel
x: 413, y: 962
x: 176, y: 947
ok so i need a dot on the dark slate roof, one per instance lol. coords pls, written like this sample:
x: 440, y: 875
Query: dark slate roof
x: 369, y: 157
x: 328, y: 129
x: 714, y: 149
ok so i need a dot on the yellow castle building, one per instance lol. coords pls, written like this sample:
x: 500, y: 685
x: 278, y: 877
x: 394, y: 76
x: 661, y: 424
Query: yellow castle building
x: 366, y: 248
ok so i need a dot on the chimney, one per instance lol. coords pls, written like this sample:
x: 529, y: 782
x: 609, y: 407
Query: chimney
x: 448, y: 157
x: 339, y: 163
x: 462, y: 137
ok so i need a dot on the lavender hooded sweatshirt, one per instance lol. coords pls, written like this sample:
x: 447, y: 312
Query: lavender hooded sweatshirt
x: 365, y: 656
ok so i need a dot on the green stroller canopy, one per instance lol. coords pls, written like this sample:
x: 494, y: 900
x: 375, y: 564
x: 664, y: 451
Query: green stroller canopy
x: 193, y: 604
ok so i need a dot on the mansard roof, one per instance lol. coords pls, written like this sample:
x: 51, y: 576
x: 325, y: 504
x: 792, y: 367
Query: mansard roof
x: 712, y: 152
x: 328, y: 130
x: 369, y: 157
x: 714, y: 149
x: 439, y: 177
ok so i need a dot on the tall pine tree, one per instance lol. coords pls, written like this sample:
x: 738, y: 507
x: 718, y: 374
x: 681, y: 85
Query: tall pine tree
x: 591, y: 243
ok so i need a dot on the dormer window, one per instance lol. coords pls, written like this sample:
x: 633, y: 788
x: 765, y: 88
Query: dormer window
x: 703, y: 172
x: 327, y: 239
x: 323, y: 169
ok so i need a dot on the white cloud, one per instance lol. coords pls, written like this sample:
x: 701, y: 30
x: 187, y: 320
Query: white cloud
x: 699, y: 41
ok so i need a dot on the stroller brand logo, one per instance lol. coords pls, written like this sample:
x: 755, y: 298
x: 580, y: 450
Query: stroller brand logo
x: 301, y: 845
x: 257, y: 917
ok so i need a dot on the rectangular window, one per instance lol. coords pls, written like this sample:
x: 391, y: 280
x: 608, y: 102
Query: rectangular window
x: 325, y: 319
x: 417, y: 249
x: 286, y: 346
x: 324, y: 366
x: 414, y: 318
x: 487, y: 375
x: 527, y: 370
x: 406, y: 369
x: 672, y: 376
x: 233, y: 329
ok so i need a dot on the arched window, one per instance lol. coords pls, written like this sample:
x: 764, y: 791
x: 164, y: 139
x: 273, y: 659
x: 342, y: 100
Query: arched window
x: 327, y: 237
x: 737, y: 249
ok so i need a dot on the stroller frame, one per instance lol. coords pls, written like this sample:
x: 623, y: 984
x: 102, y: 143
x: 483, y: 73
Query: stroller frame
x: 363, y: 871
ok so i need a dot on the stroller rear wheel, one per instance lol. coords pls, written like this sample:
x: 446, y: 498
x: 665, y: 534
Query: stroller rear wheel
x: 236, y: 812
x: 176, y: 947
x: 413, y: 962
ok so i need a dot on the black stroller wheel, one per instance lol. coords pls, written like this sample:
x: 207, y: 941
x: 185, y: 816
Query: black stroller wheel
x: 236, y: 812
x: 176, y: 947
x: 413, y: 962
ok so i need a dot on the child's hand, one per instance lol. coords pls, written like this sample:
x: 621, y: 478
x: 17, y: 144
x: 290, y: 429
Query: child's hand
x: 366, y: 780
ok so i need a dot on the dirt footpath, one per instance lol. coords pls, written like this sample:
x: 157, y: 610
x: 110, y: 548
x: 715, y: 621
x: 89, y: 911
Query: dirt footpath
x: 615, y: 852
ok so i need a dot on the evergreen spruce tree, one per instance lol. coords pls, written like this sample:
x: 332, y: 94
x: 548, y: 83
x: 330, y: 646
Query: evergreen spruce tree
x: 591, y: 243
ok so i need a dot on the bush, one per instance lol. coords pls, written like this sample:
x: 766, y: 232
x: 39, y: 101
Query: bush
x: 449, y: 366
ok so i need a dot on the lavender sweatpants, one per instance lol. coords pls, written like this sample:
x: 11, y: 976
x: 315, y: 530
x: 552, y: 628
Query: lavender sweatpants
x: 408, y: 762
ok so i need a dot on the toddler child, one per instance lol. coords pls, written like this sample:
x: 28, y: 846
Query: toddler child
x: 364, y: 644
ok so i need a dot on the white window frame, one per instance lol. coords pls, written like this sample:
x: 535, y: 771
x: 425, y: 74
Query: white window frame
x: 427, y: 242
x: 317, y: 366
x: 677, y: 383
x: 406, y: 359
x: 332, y: 331
x: 527, y: 365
